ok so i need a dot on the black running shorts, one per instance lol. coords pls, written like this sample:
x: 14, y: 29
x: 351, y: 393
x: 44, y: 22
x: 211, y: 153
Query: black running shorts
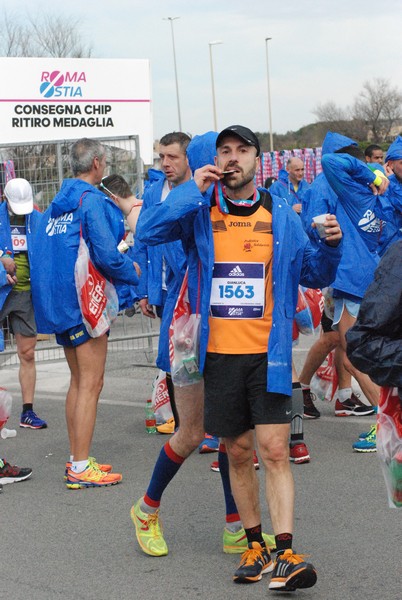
x: 235, y: 395
x: 326, y: 323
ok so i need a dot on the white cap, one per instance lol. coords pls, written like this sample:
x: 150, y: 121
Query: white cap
x: 19, y: 196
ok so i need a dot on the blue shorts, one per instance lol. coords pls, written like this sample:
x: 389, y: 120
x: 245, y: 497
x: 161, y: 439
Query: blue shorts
x: 75, y: 336
x: 339, y: 305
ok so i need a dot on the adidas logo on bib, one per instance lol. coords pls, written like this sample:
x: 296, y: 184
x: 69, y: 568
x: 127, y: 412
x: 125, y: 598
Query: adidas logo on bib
x: 236, y: 272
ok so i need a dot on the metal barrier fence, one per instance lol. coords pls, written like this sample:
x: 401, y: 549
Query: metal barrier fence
x: 137, y: 334
x: 46, y: 164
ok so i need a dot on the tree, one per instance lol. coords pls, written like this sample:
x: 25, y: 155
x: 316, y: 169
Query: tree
x: 379, y: 106
x: 330, y: 112
x: 42, y: 35
x: 39, y: 35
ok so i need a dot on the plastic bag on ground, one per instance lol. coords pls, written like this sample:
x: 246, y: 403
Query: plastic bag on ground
x: 6, y: 402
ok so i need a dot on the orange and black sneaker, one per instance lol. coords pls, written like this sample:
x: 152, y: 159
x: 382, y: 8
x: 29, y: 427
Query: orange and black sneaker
x: 92, y: 461
x: 291, y: 572
x: 91, y: 477
x: 255, y: 561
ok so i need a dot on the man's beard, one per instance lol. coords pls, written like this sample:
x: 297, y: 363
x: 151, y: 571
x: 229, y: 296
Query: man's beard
x: 244, y: 180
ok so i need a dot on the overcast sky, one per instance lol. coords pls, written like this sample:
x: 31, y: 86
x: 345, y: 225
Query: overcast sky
x: 320, y: 50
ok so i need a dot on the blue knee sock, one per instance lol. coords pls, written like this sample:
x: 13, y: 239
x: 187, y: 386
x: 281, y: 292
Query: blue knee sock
x: 232, y: 515
x: 165, y: 469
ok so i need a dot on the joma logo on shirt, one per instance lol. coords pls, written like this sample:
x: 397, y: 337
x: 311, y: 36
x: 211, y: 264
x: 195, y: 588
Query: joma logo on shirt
x: 239, y: 224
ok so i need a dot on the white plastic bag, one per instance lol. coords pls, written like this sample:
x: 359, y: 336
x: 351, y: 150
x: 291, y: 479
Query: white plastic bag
x: 325, y: 380
x: 389, y: 443
x: 184, y: 333
x: 6, y: 402
x: 160, y: 399
x: 97, y: 297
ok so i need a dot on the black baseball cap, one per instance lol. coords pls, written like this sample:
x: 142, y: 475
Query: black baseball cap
x: 243, y: 133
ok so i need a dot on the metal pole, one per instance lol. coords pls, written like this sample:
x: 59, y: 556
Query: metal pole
x: 171, y: 19
x: 212, y: 81
x: 271, y: 139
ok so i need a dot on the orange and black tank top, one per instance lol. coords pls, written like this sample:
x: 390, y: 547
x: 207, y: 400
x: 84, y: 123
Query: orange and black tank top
x: 241, y: 297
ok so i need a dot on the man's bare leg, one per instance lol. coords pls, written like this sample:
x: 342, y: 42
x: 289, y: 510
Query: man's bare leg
x: 273, y: 444
x: 243, y: 478
x: 317, y: 354
x: 190, y: 406
x: 90, y: 368
x: 27, y: 370
x: 72, y: 393
x: 368, y: 387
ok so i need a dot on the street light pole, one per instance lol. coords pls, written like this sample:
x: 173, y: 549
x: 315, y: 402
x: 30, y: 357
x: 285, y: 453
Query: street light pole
x: 271, y: 139
x: 171, y: 19
x: 212, y: 80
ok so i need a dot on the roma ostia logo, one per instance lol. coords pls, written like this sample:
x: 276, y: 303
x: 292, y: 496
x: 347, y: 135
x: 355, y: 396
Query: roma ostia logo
x: 58, y: 225
x: 370, y: 223
x: 56, y: 84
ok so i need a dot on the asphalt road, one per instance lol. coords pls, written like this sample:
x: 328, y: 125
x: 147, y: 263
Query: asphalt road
x: 80, y: 544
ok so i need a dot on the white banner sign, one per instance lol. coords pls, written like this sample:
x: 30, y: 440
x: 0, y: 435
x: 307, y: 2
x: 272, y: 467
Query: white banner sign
x: 45, y: 99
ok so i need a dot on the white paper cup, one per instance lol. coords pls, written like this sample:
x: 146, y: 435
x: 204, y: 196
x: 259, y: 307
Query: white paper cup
x: 7, y: 433
x: 319, y: 223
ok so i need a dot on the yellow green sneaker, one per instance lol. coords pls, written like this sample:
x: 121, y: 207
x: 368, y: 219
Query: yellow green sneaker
x: 236, y: 543
x: 148, y: 530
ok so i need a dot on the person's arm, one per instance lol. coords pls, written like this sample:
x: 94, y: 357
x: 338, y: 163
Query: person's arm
x: 172, y: 219
x: 319, y: 199
x: 103, y: 245
x: 320, y: 263
x: 343, y: 172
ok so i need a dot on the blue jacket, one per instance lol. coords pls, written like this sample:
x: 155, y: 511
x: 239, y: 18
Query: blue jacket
x: 150, y: 259
x: 31, y: 222
x: 185, y: 215
x: 56, y: 246
x: 3, y: 275
x: 319, y: 199
x: 389, y: 205
x: 283, y: 188
x: 350, y: 179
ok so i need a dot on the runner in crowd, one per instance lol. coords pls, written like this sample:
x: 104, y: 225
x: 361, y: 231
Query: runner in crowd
x: 18, y: 223
x: 249, y: 242
x: 291, y: 185
x: 79, y: 206
x: 190, y: 402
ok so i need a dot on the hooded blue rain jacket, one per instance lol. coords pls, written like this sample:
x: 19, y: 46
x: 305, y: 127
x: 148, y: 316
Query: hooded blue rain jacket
x: 56, y: 248
x: 283, y: 188
x: 185, y: 215
x: 150, y: 259
x: 351, y: 278
x: 31, y: 222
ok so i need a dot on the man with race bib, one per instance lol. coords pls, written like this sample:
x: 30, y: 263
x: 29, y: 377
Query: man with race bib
x: 18, y: 221
x: 250, y: 252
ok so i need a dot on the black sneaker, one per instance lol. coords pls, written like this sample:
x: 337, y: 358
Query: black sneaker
x: 255, y: 561
x: 9, y: 474
x: 310, y: 411
x: 291, y: 573
x: 352, y: 406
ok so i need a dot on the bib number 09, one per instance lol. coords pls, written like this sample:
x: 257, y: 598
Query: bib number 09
x: 238, y: 291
